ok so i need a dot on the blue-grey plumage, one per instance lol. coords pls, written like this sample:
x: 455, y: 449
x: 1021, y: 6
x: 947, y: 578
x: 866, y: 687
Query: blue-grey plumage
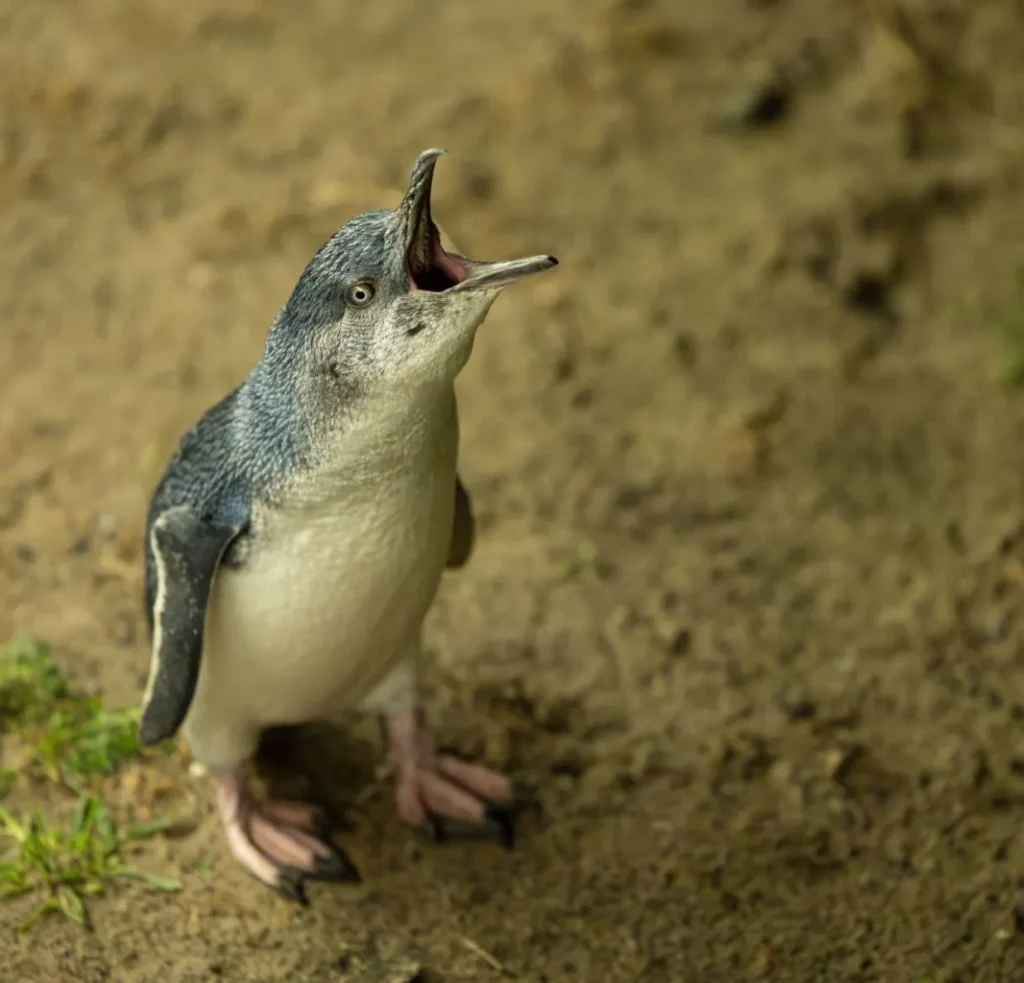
x: 298, y: 535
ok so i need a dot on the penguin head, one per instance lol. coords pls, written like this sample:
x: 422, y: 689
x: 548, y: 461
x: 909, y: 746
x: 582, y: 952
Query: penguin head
x: 383, y: 307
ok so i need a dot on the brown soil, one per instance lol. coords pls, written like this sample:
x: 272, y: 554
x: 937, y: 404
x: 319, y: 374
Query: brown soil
x: 744, y: 609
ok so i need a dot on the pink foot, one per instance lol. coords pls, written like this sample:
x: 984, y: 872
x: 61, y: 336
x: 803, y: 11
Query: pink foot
x: 280, y: 843
x: 432, y: 787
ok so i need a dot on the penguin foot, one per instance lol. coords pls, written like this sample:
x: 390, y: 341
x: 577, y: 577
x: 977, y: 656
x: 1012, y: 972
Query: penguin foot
x: 434, y: 788
x: 280, y: 843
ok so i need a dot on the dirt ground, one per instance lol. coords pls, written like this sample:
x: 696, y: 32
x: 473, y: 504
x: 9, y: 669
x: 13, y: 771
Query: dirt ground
x: 744, y: 607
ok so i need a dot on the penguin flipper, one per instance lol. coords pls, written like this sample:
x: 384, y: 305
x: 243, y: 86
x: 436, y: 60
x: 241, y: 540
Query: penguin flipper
x: 187, y: 548
x: 463, y: 528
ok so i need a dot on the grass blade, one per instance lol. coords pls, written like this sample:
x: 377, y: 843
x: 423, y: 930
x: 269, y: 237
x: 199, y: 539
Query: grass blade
x: 166, y: 884
x: 142, y: 831
x: 71, y: 905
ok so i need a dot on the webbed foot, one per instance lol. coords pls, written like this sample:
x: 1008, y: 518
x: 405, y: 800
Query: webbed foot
x: 280, y: 843
x: 437, y: 788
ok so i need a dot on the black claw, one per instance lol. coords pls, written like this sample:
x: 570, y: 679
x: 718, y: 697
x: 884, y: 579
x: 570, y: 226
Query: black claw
x: 291, y: 887
x: 438, y: 830
x: 505, y: 821
x: 335, y: 867
x: 497, y: 818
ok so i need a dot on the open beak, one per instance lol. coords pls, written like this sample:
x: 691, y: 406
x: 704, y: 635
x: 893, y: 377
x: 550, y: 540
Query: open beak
x: 490, y: 276
x: 429, y: 266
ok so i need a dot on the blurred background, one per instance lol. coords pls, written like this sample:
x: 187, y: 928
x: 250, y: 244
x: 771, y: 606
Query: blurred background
x: 744, y: 605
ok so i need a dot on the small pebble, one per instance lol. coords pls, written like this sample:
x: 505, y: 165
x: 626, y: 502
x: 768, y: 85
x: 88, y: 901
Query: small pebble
x: 106, y: 525
x: 685, y: 349
x: 868, y: 293
x: 680, y: 643
x: 480, y: 183
x: 582, y: 398
x: 794, y: 702
x: 565, y: 368
x: 763, y: 103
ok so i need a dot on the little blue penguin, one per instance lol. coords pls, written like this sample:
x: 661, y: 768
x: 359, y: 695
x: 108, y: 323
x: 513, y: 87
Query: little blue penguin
x: 298, y: 535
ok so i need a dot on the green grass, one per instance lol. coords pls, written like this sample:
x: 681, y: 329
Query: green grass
x: 70, y: 740
x: 1011, y: 326
x: 30, y: 681
x: 72, y: 737
x: 71, y: 864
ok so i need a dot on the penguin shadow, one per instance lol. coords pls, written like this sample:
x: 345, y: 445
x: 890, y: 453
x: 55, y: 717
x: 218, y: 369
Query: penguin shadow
x: 342, y: 771
x: 324, y: 765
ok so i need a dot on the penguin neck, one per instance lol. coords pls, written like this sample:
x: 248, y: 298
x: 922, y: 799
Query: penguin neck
x: 393, y: 435
x: 374, y: 436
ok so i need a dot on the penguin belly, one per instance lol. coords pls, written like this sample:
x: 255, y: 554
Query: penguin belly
x: 328, y: 601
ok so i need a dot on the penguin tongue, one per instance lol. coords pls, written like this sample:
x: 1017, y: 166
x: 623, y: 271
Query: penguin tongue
x: 430, y: 267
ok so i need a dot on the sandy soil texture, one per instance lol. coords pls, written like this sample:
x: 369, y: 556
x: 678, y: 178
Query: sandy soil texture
x: 744, y: 609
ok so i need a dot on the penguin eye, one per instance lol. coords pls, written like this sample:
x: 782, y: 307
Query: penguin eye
x: 359, y: 294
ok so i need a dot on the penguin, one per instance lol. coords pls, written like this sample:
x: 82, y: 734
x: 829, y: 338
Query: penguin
x: 298, y: 535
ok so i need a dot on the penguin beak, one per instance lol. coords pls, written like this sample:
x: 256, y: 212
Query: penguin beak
x: 493, y: 276
x: 428, y: 265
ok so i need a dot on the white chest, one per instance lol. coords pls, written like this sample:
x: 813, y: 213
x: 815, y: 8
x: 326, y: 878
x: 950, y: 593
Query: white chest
x: 335, y: 589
